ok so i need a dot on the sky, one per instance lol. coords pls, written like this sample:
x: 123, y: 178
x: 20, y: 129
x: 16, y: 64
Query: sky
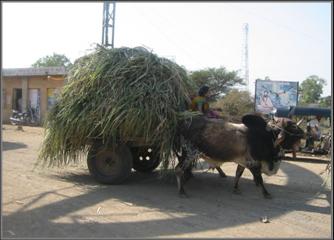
x: 287, y: 41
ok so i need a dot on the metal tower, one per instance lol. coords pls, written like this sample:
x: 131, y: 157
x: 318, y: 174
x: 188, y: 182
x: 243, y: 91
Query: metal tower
x: 108, y: 25
x: 245, y: 56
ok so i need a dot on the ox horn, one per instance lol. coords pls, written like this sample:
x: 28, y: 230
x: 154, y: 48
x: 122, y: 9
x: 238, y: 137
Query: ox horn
x: 300, y: 121
x: 280, y: 138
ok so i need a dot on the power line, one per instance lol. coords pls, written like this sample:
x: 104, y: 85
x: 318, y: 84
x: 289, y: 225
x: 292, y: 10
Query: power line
x: 170, y: 40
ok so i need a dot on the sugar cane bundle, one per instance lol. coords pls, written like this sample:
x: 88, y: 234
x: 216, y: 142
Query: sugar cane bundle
x: 115, y: 95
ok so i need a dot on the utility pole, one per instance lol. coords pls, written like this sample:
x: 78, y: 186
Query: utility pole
x: 245, y: 56
x: 108, y: 24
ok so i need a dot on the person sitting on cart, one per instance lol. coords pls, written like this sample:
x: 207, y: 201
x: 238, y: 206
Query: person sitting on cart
x: 200, y: 103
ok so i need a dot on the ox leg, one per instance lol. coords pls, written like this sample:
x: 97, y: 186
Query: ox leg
x: 294, y: 156
x: 183, y: 174
x: 180, y: 179
x: 238, y: 173
x: 188, y: 174
x: 179, y: 172
x: 221, y: 172
x: 256, y: 171
x: 183, y: 171
x: 187, y: 170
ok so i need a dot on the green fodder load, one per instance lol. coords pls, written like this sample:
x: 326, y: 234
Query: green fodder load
x: 115, y: 95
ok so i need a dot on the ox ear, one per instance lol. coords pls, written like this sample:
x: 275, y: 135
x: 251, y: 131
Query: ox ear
x: 280, y: 138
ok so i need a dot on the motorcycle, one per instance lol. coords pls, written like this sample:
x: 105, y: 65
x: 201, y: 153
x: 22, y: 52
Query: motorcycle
x: 23, y: 118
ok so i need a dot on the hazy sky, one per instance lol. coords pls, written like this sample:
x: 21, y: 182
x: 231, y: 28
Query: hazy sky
x: 287, y: 41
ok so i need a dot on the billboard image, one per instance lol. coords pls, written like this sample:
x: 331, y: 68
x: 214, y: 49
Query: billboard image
x: 275, y: 94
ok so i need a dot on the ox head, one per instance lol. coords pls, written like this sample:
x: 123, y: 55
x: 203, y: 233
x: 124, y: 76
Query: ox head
x: 262, y: 140
x: 288, y: 133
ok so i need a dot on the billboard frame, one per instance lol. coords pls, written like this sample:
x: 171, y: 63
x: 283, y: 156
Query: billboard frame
x: 276, y: 82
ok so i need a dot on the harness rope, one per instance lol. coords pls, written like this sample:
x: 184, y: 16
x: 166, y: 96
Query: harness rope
x: 274, y: 124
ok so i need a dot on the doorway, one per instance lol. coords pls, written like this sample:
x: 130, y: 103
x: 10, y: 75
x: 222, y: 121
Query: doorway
x: 17, y: 99
x: 34, y: 103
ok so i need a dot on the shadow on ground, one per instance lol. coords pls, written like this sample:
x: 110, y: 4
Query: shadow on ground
x: 12, y: 145
x: 211, y: 205
x: 307, y: 160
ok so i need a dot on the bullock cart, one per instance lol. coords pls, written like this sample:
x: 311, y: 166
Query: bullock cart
x: 120, y: 108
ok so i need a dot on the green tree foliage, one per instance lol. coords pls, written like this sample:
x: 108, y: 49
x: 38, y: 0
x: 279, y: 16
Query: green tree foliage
x: 326, y: 102
x: 266, y: 78
x: 219, y: 80
x: 56, y: 60
x: 311, y: 90
x: 236, y: 103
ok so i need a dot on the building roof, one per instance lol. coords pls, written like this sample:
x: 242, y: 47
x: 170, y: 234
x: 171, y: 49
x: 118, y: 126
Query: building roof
x: 40, y: 71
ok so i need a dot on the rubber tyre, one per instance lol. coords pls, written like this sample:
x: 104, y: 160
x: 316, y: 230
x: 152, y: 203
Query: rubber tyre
x: 109, y: 166
x: 145, y: 159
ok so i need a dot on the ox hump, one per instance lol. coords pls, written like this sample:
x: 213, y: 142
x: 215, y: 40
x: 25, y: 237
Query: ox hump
x: 253, y: 121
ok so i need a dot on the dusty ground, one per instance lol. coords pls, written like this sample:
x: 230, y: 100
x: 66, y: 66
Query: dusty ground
x: 69, y: 203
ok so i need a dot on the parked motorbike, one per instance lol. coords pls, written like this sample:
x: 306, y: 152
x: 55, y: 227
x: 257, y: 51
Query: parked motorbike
x: 23, y: 118
x: 321, y: 146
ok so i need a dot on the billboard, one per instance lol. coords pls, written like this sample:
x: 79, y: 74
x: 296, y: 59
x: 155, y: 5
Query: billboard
x: 275, y: 94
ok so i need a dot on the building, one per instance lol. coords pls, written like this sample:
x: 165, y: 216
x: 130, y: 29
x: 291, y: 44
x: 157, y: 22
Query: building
x: 30, y: 89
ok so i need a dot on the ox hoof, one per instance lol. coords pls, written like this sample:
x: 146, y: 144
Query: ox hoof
x: 236, y: 191
x: 223, y: 175
x: 183, y: 194
x: 267, y: 196
x: 188, y: 175
x: 221, y: 172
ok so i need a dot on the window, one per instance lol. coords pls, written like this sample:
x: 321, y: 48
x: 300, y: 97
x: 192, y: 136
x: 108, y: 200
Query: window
x: 34, y: 103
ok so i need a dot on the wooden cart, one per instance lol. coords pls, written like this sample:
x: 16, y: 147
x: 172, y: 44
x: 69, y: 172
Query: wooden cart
x: 113, y: 165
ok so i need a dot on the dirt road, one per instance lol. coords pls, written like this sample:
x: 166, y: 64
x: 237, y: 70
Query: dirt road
x: 67, y: 202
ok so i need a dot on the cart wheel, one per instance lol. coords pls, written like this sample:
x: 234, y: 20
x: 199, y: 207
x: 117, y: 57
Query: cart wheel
x: 109, y: 166
x: 145, y: 159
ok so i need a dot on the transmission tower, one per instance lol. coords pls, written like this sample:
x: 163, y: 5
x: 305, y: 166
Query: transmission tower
x: 245, y: 56
x: 108, y: 25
